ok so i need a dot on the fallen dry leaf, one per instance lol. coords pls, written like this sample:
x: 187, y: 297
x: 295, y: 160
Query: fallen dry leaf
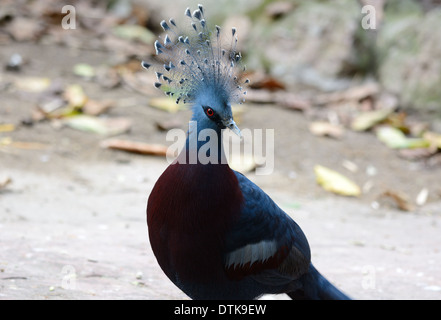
x: 8, y: 142
x: 335, y: 182
x: 51, y: 106
x: 368, y: 119
x: 392, y: 137
x: 292, y: 101
x: 398, y: 120
x: 417, y: 128
x: 4, y: 182
x: 260, y: 80
x: 416, y: 153
x: 7, y: 127
x: 75, y: 96
x: 356, y: 93
x: 321, y: 128
x: 102, y: 126
x: 399, y: 199
x: 95, y: 108
x: 285, y: 99
x: 349, y: 165
x: 135, y: 147
x: 84, y: 70
x: 367, y: 186
x: 28, y: 145
x: 32, y: 84
x: 396, y: 139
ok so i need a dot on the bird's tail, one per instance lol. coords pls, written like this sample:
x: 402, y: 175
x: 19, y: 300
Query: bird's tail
x: 316, y: 287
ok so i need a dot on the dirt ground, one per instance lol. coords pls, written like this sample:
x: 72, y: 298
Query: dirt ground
x: 72, y: 222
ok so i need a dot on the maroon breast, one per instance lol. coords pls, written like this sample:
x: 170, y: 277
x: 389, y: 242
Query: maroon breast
x: 189, y: 211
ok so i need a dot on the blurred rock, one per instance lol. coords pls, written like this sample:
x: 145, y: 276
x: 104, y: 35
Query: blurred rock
x: 25, y: 29
x: 408, y: 49
x: 310, y: 45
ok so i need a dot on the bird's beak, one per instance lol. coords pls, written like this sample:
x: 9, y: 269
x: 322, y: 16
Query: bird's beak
x: 230, y: 124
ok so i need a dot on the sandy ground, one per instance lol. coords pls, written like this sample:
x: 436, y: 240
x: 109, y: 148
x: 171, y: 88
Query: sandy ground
x: 72, y: 222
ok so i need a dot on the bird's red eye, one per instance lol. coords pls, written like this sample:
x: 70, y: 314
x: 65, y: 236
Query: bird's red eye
x: 209, y: 112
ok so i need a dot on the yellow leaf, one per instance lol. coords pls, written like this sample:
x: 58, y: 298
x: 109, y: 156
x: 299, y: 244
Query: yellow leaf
x: 75, y: 96
x: 334, y: 182
x: 7, y: 127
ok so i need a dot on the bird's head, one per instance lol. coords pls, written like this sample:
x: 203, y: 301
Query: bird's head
x: 195, y: 67
x: 213, y: 110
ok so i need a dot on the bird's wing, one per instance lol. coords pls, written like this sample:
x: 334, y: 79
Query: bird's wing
x: 265, y: 242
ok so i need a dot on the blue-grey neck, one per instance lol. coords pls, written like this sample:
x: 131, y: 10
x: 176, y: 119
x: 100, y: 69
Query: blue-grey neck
x: 204, y: 143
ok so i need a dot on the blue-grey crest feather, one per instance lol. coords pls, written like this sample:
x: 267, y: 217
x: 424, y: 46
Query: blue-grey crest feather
x: 196, y: 61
